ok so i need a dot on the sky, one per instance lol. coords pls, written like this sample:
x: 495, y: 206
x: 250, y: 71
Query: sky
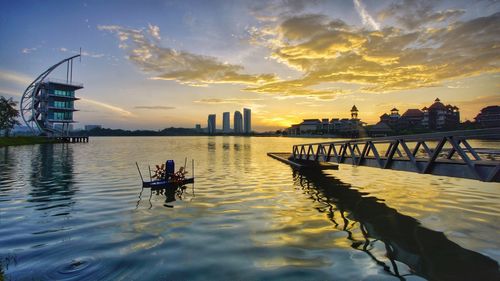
x: 158, y: 64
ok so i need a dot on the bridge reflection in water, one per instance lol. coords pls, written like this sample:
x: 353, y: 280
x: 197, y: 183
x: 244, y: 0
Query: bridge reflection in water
x: 427, y: 253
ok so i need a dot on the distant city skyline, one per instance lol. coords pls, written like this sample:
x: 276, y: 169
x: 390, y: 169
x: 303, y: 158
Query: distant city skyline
x: 169, y: 64
x: 242, y: 124
x: 247, y: 120
x: 226, y: 123
x: 212, y: 124
x: 238, y: 122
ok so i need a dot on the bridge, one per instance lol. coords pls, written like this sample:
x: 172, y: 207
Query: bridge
x: 443, y: 154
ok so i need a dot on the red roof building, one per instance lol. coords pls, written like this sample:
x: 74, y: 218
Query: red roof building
x: 489, y: 117
x: 438, y: 116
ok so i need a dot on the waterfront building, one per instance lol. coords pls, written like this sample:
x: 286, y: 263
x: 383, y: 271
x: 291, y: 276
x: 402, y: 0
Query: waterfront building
x: 247, y: 120
x: 354, y: 112
x: 91, y: 127
x: 344, y: 126
x: 211, y: 124
x: 48, y: 104
x: 489, y: 117
x: 435, y: 117
x: 293, y: 130
x: 439, y: 116
x: 325, y: 125
x: 309, y: 126
x: 381, y: 129
x: 225, y: 122
x: 412, y: 118
x: 238, y: 122
x: 56, y: 107
x: 391, y: 119
x: 197, y: 128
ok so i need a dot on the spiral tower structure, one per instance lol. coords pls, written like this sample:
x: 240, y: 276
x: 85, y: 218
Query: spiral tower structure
x: 47, y: 105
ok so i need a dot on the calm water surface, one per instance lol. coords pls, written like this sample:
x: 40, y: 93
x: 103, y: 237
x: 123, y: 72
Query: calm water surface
x: 76, y: 212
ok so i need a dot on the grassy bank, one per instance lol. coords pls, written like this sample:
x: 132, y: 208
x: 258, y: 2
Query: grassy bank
x: 24, y: 140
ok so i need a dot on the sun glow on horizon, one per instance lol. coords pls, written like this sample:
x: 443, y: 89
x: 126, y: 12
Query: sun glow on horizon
x: 286, y: 61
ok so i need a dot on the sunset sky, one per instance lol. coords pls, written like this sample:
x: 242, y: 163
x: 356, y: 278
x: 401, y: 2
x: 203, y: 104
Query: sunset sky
x: 157, y: 64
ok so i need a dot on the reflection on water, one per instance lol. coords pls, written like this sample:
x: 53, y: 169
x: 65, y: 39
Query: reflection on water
x: 51, y: 177
x: 171, y: 195
x: 76, y: 212
x: 7, y: 164
x: 428, y: 253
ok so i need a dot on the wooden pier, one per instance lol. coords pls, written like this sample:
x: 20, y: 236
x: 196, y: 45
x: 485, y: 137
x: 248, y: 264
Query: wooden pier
x: 302, y: 164
x: 443, y: 154
x: 72, y: 139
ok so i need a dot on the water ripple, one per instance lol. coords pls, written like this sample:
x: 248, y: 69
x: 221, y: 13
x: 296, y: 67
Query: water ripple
x: 76, y: 212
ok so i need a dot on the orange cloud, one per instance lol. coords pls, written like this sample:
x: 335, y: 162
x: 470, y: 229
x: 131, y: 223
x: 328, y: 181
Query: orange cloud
x: 391, y: 59
x: 184, y: 67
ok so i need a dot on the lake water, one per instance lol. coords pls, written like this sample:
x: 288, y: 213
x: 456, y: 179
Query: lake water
x: 76, y: 212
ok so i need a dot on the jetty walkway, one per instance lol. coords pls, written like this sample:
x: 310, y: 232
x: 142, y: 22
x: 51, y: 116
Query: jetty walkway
x: 444, y: 154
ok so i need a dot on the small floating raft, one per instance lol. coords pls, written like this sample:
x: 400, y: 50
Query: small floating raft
x: 165, y: 176
x: 162, y: 184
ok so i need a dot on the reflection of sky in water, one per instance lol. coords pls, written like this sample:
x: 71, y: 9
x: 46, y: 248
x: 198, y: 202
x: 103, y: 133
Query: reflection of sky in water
x: 73, y: 211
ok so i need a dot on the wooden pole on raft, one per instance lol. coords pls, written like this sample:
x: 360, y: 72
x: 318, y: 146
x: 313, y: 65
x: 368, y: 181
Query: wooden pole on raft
x: 139, y: 170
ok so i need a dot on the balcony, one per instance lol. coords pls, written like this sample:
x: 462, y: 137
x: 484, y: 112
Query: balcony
x: 62, y: 108
x: 63, y: 82
x: 60, y: 97
x: 61, y: 121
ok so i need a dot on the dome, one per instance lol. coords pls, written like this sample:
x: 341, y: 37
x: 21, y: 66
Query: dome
x: 437, y: 105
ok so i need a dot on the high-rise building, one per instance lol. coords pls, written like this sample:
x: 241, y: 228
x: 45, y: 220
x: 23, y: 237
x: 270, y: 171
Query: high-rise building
x: 247, y: 120
x: 211, y: 124
x: 238, y: 122
x: 225, y: 122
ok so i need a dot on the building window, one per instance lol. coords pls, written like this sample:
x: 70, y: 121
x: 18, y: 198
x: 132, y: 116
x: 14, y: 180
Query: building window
x: 63, y: 104
x: 62, y: 116
x: 64, y: 93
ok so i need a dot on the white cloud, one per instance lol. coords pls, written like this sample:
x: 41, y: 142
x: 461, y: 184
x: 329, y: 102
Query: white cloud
x: 14, y: 77
x: 84, y: 53
x: 365, y: 16
x: 28, y: 50
x: 154, y: 30
x: 226, y: 101
x: 8, y: 92
x: 113, y: 108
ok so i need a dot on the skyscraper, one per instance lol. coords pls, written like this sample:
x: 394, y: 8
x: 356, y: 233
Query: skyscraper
x: 211, y: 124
x: 238, y: 122
x: 225, y: 122
x: 247, y: 115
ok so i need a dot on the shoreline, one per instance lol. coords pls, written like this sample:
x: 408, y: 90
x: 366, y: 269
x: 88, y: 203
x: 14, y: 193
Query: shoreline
x: 24, y: 140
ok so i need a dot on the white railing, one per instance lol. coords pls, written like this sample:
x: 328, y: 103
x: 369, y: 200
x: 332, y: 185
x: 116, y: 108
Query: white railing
x: 62, y: 81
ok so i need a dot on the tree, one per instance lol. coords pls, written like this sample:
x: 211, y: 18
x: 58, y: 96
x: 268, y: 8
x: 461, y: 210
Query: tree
x: 8, y: 115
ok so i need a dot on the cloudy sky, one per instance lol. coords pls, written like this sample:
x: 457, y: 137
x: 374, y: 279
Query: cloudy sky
x: 157, y: 64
